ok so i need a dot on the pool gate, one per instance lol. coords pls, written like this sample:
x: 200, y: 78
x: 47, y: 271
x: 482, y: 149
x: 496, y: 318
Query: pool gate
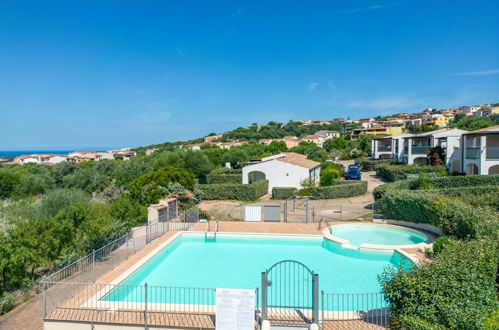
x: 290, y: 294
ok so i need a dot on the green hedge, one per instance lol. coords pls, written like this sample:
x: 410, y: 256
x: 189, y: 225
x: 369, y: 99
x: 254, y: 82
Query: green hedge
x: 223, y: 178
x: 283, y: 192
x: 372, y: 164
x: 455, y: 216
x: 342, y: 189
x: 242, y: 192
x: 401, y: 172
x: 454, y: 185
x: 224, y: 175
x: 455, y: 291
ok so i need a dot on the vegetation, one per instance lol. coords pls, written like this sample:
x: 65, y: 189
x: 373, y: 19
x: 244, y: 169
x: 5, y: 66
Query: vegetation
x: 471, y: 123
x: 340, y: 189
x: 224, y: 175
x: 393, y: 172
x: 240, y: 192
x: 283, y: 192
x: 457, y: 289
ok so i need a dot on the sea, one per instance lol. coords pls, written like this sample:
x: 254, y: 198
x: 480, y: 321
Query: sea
x: 15, y: 153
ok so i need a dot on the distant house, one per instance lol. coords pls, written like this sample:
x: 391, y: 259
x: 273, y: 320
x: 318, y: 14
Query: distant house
x: 435, y: 120
x: 469, y: 109
x: 84, y: 156
x: 288, y: 169
x: 291, y: 141
x: 150, y: 151
x: 212, y: 138
x: 481, y: 151
x: 313, y: 139
x: 326, y: 135
x: 46, y: 159
x: 487, y: 112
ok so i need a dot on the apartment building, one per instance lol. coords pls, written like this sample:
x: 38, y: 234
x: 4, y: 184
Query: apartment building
x: 481, y: 151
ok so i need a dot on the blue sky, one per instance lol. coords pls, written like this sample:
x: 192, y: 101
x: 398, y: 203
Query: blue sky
x: 128, y: 73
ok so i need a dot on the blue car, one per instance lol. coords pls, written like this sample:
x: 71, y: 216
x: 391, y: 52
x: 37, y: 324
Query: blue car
x: 353, y: 173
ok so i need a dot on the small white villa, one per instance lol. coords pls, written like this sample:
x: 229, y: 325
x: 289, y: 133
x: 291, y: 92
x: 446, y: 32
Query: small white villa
x: 288, y: 169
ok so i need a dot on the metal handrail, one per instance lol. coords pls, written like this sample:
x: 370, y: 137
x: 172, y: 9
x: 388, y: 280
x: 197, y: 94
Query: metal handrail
x: 327, y: 224
x: 207, y: 229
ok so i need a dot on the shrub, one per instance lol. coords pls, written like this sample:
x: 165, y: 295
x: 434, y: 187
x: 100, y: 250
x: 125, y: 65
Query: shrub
x: 150, y: 187
x: 372, y: 164
x: 242, y: 192
x: 401, y: 172
x: 454, y: 216
x: 342, y: 189
x: 442, y: 243
x: 283, y: 192
x: 224, y: 175
x: 455, y: 291
x: 305, y: 192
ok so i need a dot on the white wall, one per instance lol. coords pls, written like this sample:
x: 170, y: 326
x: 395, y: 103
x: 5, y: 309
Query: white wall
x: 57, y: 159
x: 279, y: 174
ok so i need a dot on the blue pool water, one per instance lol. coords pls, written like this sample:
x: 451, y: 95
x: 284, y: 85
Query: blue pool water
x: 237, y: 261
x: 377, y: 234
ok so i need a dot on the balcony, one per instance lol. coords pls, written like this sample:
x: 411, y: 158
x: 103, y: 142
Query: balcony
x: 473, y: 153
x: 384, y: 148
x: 492, y: 153
x: 420, y: 150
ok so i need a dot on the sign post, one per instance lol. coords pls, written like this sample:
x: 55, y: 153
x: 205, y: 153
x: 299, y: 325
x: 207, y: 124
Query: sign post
x: 235, y: 309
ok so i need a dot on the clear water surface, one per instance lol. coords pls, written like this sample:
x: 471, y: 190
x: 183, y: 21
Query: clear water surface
x: 377, y: 234
x: 237, y: 261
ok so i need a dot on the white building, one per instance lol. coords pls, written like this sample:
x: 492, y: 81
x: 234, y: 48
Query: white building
x: 413, y: 148
x: 389, y: 146
x: 481, y: 151
x: 469, y: 109
x: 40, y: 158
x: 326, y: 135
x: 283, y: 170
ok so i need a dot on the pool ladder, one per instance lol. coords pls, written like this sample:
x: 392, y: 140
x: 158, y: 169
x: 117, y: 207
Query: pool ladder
x: 323, y: 220
x: 207, y: 230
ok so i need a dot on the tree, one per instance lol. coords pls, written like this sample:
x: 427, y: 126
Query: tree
x: 151, y: 187
x: 8, y: 182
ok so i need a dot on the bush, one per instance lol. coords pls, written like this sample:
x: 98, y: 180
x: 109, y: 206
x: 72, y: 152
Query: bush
x: 283, y: 192
x: 342, y: 189
x: 454, y: 216
x: 401, y: 172
x: 455, y: 291
x: 242, y: 192
x: 442, y: 243
x: 372, y: 164
x: 150, y: 187
x: 224, y: 175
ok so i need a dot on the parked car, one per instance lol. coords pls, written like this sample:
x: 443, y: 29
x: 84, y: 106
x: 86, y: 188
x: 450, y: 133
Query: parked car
x: 353, y: 173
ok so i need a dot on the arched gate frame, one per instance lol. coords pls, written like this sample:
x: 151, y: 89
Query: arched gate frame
x: 290, y: 294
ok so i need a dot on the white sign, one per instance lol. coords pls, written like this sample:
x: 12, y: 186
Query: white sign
x: 235, y: 309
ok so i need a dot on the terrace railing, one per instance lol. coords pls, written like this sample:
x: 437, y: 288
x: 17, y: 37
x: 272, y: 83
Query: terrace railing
x: 384, y: 148
x: 472, y: 152
x: 183, y: 221
x: 354, y: 311
x: 420, y: 150
x: 87, y: 268
x: 491, y: 153
x: 129, y: 304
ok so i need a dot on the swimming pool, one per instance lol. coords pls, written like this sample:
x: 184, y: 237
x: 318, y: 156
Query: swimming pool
x: 236, y: 261
x: 358, y: 234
